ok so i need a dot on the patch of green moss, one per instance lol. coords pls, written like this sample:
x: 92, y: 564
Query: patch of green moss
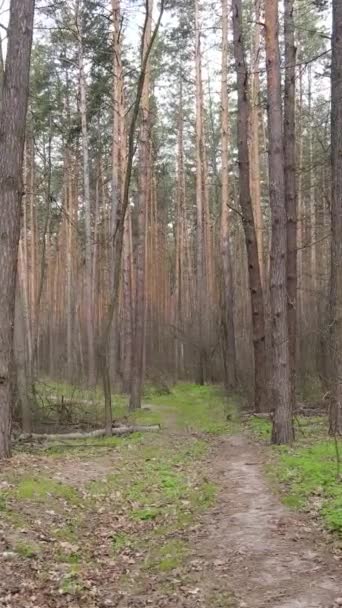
x: 26, y: 549
x: 260, y: 427
x: 72, y: 557
x: 121, y: 540
x: 39, y: 489
x: 69, y: 532
x: 3, y: 503
x: 71, y: 584
x: 147, y: 514
x: 223, y: 600
x: 168, y: 556
x: 203, y: 497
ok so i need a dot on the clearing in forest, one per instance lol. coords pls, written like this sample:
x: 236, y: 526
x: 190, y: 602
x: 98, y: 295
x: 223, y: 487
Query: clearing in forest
x: 180, y: 518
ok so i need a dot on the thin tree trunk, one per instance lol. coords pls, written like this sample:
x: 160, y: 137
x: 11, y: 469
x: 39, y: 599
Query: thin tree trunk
x: 21, y: 361
x: 300, y: 219
x: 254, y: 142
x: 119, y: 224
x: 227, y: 285
x: 290, y: 187
x: 200, y: 278
x: 335, y: 414
x: 137, y: 369
x: 254, y: 275
x: 87, y: 207
x: 281, y: 394
x: 12, y: 129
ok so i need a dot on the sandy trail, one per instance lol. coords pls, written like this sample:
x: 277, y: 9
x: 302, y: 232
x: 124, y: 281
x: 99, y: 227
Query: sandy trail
x: 267, y: 554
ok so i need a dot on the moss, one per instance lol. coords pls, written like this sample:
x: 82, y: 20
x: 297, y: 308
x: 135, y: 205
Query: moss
x: 68, y: 532
x: 71, y: 584
x: 168, y: 556
x: 145, y: 514
x: 121, y: 540
x: 72, y: 557
x: 259, y: 427
x: 26, y: 549
x: 223, y: 600
x: 3, y: 503
x: 40, y: 489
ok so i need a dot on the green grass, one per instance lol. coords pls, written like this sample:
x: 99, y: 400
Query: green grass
x: 260, y: 427
x: 200, y: 408
x: 307, y: 471
x: 40, y: 489
x: 168, y: 556
x: 137, y: 514
x: 26, y: 549
x: 309, y: 475
x: 3, y: 503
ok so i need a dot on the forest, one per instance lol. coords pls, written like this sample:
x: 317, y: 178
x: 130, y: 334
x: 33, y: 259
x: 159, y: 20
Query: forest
x: 170, y: 302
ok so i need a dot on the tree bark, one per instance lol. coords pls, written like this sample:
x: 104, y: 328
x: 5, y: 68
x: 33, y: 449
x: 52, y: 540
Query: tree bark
x: 118, y: 229
x: 254, y: 142
x: 254, y: 274
x: 12, y: 135
x: 144, y: 191
x: 335, y: 414
x: 282, y: 422
x: 291, y: 187
x: 87, y: 207
x: 227, y: 285
x: 200, y: 279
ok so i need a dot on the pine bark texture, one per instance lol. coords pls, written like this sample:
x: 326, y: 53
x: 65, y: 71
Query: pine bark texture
x: 144, y: 192
x: 335, y: 418
x: 227, y: 285
x: 282, y: 422
x: 291, y: 187
x: 254, y: 275
x: 12, y: 136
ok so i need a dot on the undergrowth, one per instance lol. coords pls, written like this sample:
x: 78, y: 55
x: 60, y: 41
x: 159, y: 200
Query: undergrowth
x: 138, y: 509
x: 200, y: 408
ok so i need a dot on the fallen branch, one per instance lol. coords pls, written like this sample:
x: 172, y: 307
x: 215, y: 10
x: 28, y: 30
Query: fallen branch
x: 117, y: 430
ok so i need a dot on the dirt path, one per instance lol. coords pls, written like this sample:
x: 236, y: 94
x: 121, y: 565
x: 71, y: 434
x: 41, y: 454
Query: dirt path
x: 249, y: 551
x: 268, y: 555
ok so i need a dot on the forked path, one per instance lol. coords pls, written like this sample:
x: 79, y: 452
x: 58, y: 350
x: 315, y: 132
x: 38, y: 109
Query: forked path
x: 267, y: 555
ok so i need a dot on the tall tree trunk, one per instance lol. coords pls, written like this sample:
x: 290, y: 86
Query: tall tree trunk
x: 290, y: 187
x: 12, y: 129
x: 119, y: 225
x: 312, y: 233
x: 254, y: 276
x: 300, y: 219
x: 200, y: 273
x: 87, y: 207
x: 335, y: 416
x: 254, y: 141
x: 179, y: 239
x: 281, y: 394
x: 227, y: 285
x: 144, y: 191
x: 128, y: 304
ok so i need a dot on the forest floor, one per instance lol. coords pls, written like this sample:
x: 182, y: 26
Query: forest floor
x: 187, y: 517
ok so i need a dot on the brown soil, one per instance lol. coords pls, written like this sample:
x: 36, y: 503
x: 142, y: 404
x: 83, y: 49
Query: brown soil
x: 268, y: 555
